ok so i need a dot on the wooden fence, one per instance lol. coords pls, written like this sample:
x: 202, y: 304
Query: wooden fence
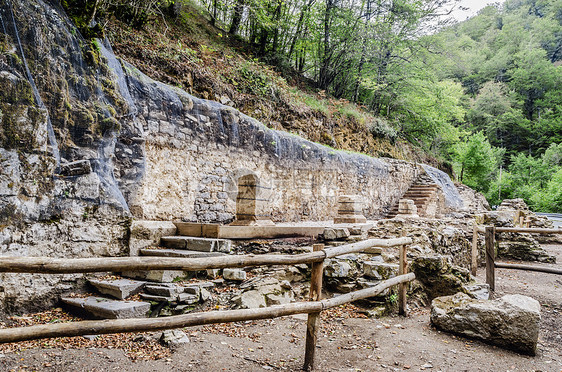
x: 313, y: 307
x: 490, y: 252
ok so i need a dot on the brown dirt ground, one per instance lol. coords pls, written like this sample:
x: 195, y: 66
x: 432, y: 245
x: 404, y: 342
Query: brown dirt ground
x: 346, y: 343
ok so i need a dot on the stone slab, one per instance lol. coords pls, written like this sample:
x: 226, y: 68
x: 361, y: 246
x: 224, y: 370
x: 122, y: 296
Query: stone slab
x: 187, y: 298
x: 234, y: 274
x: 105, y: 308
x: 148, y: 233
x: 379, y: 270
x: 335, y: 233
x: 166, y: 291
x: 245, y: 232
x: 174, y: 337
x: 161, y: 276
x: 511, y: 322
x: 350, y: 219
x: 157, y: 298
x: 120, y: 289
x: 177, y: 253
x: 197, y: 243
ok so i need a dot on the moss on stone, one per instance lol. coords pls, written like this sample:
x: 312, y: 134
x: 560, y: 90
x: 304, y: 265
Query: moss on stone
x: 18, y: 92
x: 109, y: 124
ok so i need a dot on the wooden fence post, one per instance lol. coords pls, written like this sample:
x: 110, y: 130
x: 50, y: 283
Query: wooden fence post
x: 491, y: 257
x: 403, y: 287
x: 312, y: 322
x: 474, y: 255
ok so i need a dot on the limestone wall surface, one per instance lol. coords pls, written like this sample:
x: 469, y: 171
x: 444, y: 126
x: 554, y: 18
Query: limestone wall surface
x: 196, y: 151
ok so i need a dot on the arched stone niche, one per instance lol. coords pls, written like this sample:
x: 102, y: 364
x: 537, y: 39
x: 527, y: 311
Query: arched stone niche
x: 251, y: 199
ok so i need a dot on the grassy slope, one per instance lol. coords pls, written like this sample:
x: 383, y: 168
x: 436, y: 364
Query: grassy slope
x: 190, y: 53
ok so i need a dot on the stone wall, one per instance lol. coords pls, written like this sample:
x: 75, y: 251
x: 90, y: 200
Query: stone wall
x: 196, y: 151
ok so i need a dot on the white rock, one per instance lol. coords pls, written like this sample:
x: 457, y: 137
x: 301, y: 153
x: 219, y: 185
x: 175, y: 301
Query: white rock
x: 234, y: 274
x: 511, y: 321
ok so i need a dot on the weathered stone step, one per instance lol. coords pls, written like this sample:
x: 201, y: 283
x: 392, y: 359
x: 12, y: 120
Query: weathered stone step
x: 197, y: 244
x: 120, y: 288
x: 177, y: 253
x: 423, y: 187
x: 422, y: 194
x: 160, y: 276
x: 105, y: 308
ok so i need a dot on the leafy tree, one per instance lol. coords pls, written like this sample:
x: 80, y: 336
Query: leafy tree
x: 550, y: 198
x: 476, y: 161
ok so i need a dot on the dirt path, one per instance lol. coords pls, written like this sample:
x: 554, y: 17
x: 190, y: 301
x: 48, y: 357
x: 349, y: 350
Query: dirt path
x: 346, y: 343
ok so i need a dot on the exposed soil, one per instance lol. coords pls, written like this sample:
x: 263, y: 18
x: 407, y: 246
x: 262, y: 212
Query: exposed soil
x: 348, y: 342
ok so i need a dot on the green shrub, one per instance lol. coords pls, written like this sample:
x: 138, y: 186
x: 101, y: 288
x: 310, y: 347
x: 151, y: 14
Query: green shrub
x: 379, y: 128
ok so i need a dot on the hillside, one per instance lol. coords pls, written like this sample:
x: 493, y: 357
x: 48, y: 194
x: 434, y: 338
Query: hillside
x: 188, y: 52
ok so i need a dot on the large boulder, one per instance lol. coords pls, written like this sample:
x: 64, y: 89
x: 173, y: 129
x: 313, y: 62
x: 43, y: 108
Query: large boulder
x: 511, y: 322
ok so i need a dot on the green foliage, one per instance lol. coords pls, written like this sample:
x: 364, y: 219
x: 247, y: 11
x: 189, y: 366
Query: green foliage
x: 136, y: 13
x: 380, y: 128
x: 476, y: 161
x: 253, y: 80
x: 535, y: 179
x: 549, y: 199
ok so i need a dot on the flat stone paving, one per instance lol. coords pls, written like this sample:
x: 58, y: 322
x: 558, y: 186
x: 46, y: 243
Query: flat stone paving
x: 105, y: 308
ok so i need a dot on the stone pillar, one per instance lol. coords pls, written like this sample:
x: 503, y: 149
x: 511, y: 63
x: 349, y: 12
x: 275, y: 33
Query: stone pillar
x: 248, y: 203
x: 350, y: 210
x: 407, y: 207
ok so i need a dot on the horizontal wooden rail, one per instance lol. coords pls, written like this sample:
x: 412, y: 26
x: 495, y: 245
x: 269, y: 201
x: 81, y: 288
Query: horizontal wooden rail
x: 528, y: 230
x: 360, y: 246
x: 47, y: 265
x: 97, y: 327
x: 532, y: 230
x: 542, y: 269
x: 491, y: 264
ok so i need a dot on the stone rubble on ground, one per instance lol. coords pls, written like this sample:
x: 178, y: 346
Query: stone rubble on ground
x: 174, y: 337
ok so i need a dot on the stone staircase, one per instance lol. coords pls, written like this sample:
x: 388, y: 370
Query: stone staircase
x: 152, y: 292
x: 421, y: 192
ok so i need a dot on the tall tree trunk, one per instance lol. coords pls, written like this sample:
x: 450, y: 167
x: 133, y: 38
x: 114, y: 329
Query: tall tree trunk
x: 237, y: 17
x: 214, y: 14
x: 323, y: 75
x: 300, y: 22
x: 363, y: 53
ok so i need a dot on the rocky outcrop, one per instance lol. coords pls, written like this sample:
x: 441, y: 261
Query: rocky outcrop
x: 513, y: 204
x: 511, y: 321
x: 449, y: 237
x: 473, y: 201
x: 262, y: 292
x: 438, y: 277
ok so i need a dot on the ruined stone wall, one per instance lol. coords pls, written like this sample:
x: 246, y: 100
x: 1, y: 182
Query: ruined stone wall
x: 197, y: 150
